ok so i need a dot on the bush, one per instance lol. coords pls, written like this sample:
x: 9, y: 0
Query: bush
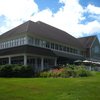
x: 15, y: 71
x: 6, y: 71
x: 69, y: 71
x: 83, y: 73
x: 44, y: 74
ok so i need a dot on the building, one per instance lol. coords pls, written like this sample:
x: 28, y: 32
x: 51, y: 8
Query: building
x: 41, y: 46
x: 92, y: 47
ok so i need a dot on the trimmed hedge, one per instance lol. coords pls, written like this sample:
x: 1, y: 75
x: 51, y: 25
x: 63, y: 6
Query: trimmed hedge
x: 15, y: 71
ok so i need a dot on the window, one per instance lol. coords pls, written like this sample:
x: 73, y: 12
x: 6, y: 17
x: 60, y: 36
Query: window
x: 96, y: 49
x: 44, y: 43
x: 52, y: 46
x: 17, y: 60
x: 60, y: 47
x: 67, y: 49
x: 47, y: 44
x: 76, y: 51
x: 30, y: 41
x: 64, y: 48
x: 37, y: 42
x: 25, y: 40
x: 56, y: 46
x: 2, y: 45
x: 21, y: 41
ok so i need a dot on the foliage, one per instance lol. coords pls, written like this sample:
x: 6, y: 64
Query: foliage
x: 15, y: 71
x: 69, y: 71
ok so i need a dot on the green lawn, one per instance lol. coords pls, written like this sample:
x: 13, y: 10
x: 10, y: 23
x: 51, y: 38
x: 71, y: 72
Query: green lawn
x: 87, y: 88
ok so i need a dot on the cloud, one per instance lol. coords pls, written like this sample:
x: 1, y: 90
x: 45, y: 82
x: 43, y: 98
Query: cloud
x: 90, y: 28
x: 44, y: 15
x: 16, y: 11
x: 93, y: 9
x: 94, y: 12
x: 67, y: 18
x: 96, y: 17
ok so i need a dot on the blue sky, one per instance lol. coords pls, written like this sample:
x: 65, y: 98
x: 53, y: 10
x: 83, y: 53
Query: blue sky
x: 77, y: 17
x: 54, y: 5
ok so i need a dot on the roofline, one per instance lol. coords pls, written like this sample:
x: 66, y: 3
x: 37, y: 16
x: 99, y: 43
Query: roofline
x: 87, y: 36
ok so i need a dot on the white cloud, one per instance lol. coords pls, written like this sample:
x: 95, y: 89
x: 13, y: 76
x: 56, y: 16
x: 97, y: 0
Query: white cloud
x: 67, y: 18
x: 90, y: 28
x: 16, y: 11
x: 93, y: 9
x: 44, y: 15
x: 96, y: 17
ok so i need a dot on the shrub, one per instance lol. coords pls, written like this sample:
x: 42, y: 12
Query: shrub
x: 83, y: 73
x: 15, y: 71
x: 69, y: 71
x: 43, y: 74
x: 26, y: 71
x: 6, y: 71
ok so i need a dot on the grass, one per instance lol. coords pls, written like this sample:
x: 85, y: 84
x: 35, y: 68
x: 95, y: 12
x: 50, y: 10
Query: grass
x: 87, y: 88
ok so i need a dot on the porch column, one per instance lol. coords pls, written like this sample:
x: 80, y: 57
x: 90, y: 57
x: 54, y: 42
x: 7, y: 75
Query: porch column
x: 55, y: 62
x: 42, y: 64
x: 25, y: 59
x: 9, y: 59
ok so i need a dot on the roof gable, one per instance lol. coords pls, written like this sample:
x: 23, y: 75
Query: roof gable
x: 87, y: 41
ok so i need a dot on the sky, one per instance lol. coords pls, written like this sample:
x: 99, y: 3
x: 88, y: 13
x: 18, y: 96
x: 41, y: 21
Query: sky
x: 79, y: 18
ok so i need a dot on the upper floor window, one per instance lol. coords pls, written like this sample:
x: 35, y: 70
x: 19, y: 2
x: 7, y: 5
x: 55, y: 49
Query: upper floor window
x: 37, y: 42
x: 47, y: 44
x: 52, y: 46
x: 96, y: 49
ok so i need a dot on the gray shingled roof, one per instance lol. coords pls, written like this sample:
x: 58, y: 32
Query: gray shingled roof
x: 87, y: 41
x: 17, y: 31
x: 42, y: 30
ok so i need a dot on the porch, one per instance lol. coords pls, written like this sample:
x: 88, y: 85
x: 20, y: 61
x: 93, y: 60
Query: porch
x: 37, y: 62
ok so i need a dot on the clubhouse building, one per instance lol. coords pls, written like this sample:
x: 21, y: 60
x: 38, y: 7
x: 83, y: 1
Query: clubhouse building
x: 43, y: 46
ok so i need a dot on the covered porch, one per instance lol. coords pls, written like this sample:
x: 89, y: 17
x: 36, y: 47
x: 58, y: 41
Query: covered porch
x: 37, y: 62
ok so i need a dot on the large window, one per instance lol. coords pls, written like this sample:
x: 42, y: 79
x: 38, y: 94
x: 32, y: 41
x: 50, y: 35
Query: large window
x: 17, y: 60
x: 96, y: 50
x: 4, y: 61
x: 48, y: 63
x: 47, y: 44
x: 52, y: 46
x: 37, y: 42
x: 56, y: 46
